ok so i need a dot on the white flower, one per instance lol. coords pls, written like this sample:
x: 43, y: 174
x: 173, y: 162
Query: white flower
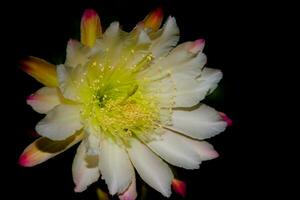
x: 132, y: 99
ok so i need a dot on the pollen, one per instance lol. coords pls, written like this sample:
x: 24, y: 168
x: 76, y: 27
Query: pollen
x: 116, y: 103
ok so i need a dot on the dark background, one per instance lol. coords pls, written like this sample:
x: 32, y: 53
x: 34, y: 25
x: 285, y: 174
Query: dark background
x: 230, y: 29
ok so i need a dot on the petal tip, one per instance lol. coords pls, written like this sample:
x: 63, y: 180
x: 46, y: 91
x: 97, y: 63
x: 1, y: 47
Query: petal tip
x: 78, y: 189
x: 179, y: 187
x: 24, y: 66
x: 154, y: 19
x: 197, y: 46
x: 31, y: 97
x: 23, y: 160
x: 214, y: 154
x: 41, y: 70
x: 158, y: 12
x: 72, y: 42
x: 226, y: 119
x: 88, y: 14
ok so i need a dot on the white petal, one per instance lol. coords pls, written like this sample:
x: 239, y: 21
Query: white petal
x: 130, y: 192
x: 69, y: 81
x: 112, y: 35
x: 85, y: 168
x: 150, y: 167
x: 115, y: 166
x: 139, y: 46
x: 44, y: 99
x: 176, y: 150
x: 182, y: 151
x: 184, y: 90
x: 201, y: 123
x: 167, y: 40
x: 143, y: 38
x: 209, y: 79
x: 76, y: 54
x: 180, y: 60
x: 205, y: 150
x: 178, y: 90
x: 60, y: 123
x: 65, y: 84
x: 93, y: 143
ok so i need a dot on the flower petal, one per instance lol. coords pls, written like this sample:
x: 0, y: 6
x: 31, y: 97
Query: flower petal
x: 115, y: 167
x: 201, y: 123
x: 177, y: 90
x: 130, y: 193
x: 150, y: 167
x: 184, y: 91
x: 69, y: 81
x: 84, y: 169
x: 44, y: 99
x: 60, y: 123
x: 209, y: 79
x: 92, y: 142
x: 197, y: 46
x: 226, y: 119
x: 90, y: 27
x: 179, y: 187
x: 153, y: 19
x: 176, y: 150
x: 41, y: 70
x: 205, y: 150
x: 182, y: 59
x: 43, y: 149
x: 167, y: 40
x: 77, y: 54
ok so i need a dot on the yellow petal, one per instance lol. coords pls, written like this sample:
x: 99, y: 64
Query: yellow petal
x: 153, y: 19
x: 41, y: 70
x: 43, y: 149
x: 90, y: 27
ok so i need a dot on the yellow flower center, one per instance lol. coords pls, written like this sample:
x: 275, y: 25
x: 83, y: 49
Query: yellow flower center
x: 115, y: 103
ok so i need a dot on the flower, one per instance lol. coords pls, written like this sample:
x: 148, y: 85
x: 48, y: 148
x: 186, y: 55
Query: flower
x: 132, y: 101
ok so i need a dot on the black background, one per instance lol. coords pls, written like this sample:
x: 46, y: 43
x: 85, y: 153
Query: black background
x: 230, y: 29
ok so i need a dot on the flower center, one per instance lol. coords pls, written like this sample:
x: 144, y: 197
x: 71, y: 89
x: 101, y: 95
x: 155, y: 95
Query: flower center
x: 115, y: 103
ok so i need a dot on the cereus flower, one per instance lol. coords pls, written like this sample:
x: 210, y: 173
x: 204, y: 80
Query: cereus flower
x: 132, y: 101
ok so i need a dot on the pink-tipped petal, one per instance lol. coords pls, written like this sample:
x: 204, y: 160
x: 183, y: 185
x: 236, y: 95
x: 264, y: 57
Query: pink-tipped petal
x: 73, y: 43
x: 130, y: 193
x: 31, y: 97
x: 205, y: 150
x: 90, y: 27
x: 43, y: 149
x: 154, y: 19
x: 23, y: 160
x: 197, y: 46
x: 179, y: 187
x: 41, y: 70
x: 45, y: 99
x: 85, y: 169
x: 226, y: 119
